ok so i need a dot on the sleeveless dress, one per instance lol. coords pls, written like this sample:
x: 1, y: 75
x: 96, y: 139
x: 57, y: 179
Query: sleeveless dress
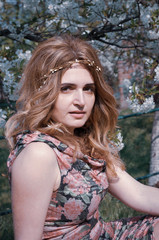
x: 73, y: 210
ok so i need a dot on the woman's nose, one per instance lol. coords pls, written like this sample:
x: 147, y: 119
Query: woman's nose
x: 79, y: 98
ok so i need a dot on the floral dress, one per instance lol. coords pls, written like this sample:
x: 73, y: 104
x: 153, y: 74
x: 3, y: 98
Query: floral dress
x: 73, y: 210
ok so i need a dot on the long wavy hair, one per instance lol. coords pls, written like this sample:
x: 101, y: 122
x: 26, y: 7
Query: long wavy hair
x: 38, y: 95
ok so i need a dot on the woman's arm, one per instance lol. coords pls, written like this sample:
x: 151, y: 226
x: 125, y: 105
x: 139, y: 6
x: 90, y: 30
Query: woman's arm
x: 135, y: 194
x: 35, y: 174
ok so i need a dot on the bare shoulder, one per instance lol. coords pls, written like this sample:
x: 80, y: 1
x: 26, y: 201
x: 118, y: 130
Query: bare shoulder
x: 37, y: 152
x: 34, y: 161
x: 38, y: 148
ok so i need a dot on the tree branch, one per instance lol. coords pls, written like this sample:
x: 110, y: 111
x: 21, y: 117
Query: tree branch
x: 97, y: 33
x: 36, y: 37
x: 120, y: 46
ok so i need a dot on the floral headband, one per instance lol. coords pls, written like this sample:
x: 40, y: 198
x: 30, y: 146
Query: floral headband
x: 68, y: 64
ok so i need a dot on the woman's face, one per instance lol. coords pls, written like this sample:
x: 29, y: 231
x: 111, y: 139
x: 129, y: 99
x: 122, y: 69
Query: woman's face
x: 76, y: 98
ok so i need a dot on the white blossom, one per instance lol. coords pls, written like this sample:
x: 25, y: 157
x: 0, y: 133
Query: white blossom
x: 156, y: 78
x: 126, y: 83
x: 50, y: 6
x: 131, y: 89
x: 2, y: 118
x: 10, y: 84
x: 153, y: 34
x: 105, y: 62
x: 119, y: 143
x: 2, y: 122
x: 3, y: 114
x: 145, y: 107
x: 23, y: 55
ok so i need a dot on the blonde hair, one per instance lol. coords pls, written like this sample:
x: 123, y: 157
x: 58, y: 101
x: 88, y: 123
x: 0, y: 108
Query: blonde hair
x: 38, y: 95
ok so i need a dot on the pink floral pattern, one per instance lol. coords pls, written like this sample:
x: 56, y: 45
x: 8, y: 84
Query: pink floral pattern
x: 73, y: 210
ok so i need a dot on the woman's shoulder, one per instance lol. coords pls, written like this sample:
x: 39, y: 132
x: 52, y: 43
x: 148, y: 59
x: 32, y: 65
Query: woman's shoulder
x: 35, y: 166
x: 37, y: 154
x: 31, y: 148
x: 32, y: 143
x: 38, y: 143
x: 38, y: 149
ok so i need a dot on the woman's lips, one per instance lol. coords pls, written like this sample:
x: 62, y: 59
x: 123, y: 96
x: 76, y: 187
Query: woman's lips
x: 77, y: 114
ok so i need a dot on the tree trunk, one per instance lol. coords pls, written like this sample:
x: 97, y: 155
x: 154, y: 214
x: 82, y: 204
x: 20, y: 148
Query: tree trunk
x: 154, y: 163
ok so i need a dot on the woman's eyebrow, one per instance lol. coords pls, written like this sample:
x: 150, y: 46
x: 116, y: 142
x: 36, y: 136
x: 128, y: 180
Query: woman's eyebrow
x: 68, y: 83
x: 90, y: 84
x: 73, y: 84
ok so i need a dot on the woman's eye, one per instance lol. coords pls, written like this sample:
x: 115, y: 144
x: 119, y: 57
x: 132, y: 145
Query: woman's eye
x: 66, y: 88
x: 89, y: 89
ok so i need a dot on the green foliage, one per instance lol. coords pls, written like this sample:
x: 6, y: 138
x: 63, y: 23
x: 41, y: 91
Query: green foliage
x: 112, y: 209
x: 136, y: 133
x: 6, y: 229
x: 4, y: 184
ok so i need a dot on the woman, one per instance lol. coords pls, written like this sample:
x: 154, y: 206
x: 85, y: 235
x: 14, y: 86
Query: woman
x: 62, y: 162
